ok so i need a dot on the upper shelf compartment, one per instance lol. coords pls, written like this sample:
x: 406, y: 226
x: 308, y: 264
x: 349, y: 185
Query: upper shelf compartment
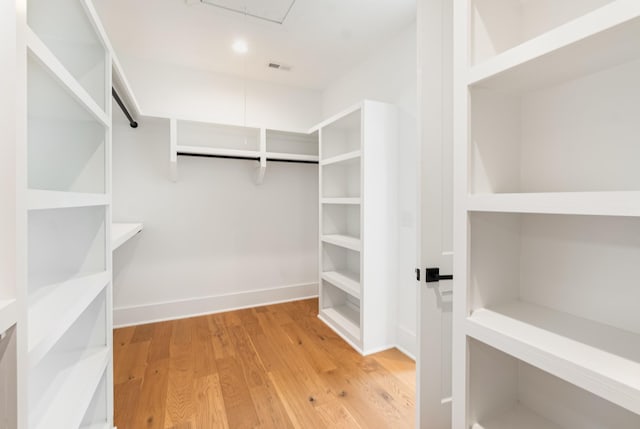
x: 218, y: 136
x: 72, y: 38
x: 291, y: 146
x: 342, y: 136
x: 584, y: 37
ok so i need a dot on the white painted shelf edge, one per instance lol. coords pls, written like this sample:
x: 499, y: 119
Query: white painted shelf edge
x: 617, y: 203
x: 52, y: 312
x: 588, y: 354
x: 348, y: 201
x: 347, y: 282
x: 97, y: 426
x: 528, y: 54
x: 8, y: 314
x: 343, y: 241
x: 55, y: 67
x: 518, y: 417
x: 43, y: 200
x: 342, y: 157
x: 123, y: 232
x: 73, y: 389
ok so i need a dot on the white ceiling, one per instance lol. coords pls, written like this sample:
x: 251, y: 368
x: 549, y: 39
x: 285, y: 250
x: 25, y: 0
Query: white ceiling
x: 320, y: 39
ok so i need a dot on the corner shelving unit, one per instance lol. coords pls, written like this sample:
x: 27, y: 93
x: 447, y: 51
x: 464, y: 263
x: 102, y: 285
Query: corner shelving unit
x: 191, y: 138
x: 546, y: 327
x: 357, y: 173
x: 67, y: 198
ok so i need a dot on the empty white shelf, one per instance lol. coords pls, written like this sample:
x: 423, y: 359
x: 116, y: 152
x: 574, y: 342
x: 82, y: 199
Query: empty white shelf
x: 53, y: 309
x: 342, y: 241
x: 275, y: 156
x: 55, y: 67
x: 345, y: 318
x: 593, y: 42
x: 43, y: 200
x: 348, y: 282
x: 517, y: 417
x: 65, y: 401
x: 598, y: 358
x: 8, y: 314
x: 346, y: 200
x: 574, y: 203
x: 123, y: 232
x: 342, y: 157
x: 211, y: 151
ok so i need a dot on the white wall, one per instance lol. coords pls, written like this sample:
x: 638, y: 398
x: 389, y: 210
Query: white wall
x: 214, y: 240
x: 165, y: 90
x: 391, y: 76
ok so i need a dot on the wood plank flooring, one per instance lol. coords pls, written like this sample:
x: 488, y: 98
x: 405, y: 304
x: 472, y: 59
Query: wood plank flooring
x: 276, y: 366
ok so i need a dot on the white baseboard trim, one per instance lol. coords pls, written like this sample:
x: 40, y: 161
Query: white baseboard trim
x: 407, y: 342
x: 180, y: 309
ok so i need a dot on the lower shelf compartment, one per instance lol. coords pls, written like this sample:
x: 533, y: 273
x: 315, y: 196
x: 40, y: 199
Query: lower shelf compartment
x: 345, y: 319
x: 63, y: 403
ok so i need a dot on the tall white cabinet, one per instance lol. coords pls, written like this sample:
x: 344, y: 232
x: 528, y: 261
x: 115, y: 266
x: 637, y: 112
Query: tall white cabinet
x: 61, y: 279
x: 357, y: 243
x: 547, y: 217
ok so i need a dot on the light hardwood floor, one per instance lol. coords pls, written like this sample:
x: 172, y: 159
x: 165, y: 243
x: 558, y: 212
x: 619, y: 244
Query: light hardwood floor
x: 276, y: 366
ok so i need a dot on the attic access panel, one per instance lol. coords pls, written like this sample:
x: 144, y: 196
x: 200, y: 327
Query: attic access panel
x: 275, y: 11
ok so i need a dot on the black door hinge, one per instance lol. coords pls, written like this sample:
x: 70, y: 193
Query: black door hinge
x: 433, y: 275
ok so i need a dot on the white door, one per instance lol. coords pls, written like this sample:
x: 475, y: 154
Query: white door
x: 436, y: 212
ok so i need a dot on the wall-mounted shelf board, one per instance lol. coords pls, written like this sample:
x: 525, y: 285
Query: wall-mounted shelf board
x: 55, y: 67
x: 341, y: 158
x: 588, y: 44
x: 348, y: 282
x: 347, y: 201
x: 66, y: 400
x: 210, y: 151
x: 623, y: 203
x: 518, y: 417
x: 8, y: 314
x: 345, y: 241
x: 598, y: 358
x: 52, y: 311
x: 44, y: 200
x: 123, y: 232
x: 275, y: 156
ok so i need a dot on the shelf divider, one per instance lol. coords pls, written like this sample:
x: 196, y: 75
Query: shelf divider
x: 347, y: 282
x: 44, y: 200
x: 53, y: 310
x: 598, y: 358
x: 345, y: 241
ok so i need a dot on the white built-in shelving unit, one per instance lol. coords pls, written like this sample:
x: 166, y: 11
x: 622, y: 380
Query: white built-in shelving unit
x: 546, y: 327
x: 261, y: 145
x: 55, y: 295
x: 357, y: 176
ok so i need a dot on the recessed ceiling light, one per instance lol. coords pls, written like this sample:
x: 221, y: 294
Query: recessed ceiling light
x: 240, y: 47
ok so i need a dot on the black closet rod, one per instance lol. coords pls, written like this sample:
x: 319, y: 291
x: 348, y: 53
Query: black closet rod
x: 250, y: 158
x: 132, y: 123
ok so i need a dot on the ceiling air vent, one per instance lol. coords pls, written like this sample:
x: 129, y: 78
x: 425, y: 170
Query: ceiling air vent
x: 278, y: 66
